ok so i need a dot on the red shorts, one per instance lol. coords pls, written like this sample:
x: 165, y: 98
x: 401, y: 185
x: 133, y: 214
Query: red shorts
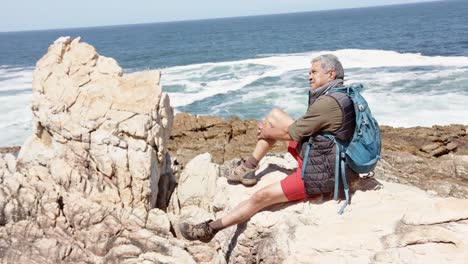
x: 293, y: 185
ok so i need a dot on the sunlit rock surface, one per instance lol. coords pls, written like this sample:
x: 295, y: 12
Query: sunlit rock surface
x: 87, y: 184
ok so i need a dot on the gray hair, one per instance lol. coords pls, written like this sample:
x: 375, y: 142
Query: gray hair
x: 330, y: 62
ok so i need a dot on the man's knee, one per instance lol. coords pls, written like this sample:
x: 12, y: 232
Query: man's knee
x: 262, y: 196
x: 275, y: 115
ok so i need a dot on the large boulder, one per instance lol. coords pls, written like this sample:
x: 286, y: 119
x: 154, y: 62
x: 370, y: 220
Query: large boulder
x: 385, y: 223
x: 89, y: 184
x: 91, y: 120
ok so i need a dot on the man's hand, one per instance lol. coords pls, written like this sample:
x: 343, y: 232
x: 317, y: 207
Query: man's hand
x: 262, y: 130
x: 266, y: 131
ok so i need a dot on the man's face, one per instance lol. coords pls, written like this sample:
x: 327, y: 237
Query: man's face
x: 318, y: 76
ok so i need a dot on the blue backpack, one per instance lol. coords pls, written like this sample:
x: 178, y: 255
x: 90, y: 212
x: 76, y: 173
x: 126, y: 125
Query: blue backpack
x: 362, y: 153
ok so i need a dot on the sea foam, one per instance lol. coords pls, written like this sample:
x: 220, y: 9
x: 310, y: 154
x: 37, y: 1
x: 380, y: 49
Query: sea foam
x: 403, y: 89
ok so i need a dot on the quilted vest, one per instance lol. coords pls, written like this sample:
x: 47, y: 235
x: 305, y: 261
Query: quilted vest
x: 319, y: 176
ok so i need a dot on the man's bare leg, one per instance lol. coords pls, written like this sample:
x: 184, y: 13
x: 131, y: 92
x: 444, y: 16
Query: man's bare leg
x: 268, y: 195
x: 245, y: 171
x: 205, y: 231
x: 278, y: 119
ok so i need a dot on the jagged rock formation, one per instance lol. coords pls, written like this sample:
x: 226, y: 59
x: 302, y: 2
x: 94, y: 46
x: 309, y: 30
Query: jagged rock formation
x: 444, y: 170
x: 445, y: 176
x: 85, y: 185
x: 425, y: 142
x: 386, y: 222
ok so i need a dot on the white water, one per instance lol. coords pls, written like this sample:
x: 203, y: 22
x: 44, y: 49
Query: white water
x: 402, y: 89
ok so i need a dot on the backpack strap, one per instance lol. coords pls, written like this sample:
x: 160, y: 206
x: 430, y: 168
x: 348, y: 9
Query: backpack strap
x: 337, y: 169
x: 339, y: 164
x: 345, y: 183
x: 304, y: 160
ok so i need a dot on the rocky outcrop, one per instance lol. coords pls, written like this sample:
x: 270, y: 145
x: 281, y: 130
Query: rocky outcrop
x: 87, y: 116
x: 87, y: 185
x: 445, y: 176
x: 427, y: 142
x: 386, y: 222
x: 408, y: 159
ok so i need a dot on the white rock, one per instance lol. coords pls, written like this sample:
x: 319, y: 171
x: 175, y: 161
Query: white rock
x: 197, y: 183
x: 125, y: 251
x: 11, y: 162
x: 158, y: 220
x: 380, y: 226
x: 87, y: 170
x: 136, y: 126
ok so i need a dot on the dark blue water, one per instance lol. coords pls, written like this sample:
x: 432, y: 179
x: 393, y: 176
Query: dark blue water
x: 436, y: 28
x: 412, y: 60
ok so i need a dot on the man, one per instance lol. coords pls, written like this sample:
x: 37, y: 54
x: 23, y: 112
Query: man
x: 325, y: 113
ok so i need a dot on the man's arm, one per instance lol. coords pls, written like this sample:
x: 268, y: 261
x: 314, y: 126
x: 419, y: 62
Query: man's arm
x: 324, y: 115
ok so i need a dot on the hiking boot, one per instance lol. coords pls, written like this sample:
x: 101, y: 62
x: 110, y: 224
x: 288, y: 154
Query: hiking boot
x: 202, y: 231
x: 243, y: 174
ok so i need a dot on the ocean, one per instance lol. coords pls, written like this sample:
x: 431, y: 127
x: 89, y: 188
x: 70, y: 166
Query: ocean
x: 412, y: 60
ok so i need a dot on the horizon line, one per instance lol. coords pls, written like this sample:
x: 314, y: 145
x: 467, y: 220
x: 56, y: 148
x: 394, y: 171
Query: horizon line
x: 218, y: 18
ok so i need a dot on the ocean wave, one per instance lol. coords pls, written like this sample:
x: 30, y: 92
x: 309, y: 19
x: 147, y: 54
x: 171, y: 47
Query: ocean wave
x: 388, y: 75
x: 16, y: 78
x: 409, y: 110
x: 350, y: 58
x: 15, y: 119
x: 403, y: 89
